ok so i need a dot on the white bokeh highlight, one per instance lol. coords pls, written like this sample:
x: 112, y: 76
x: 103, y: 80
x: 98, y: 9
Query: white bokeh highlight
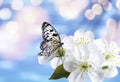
x: 111, y: 25
x: 108, y: 7
x: 103, y: 2
x: 97, y: 9
x: 118, y: 4
x: 89, y: 14
x: 70, y: 9
x: 36, y: 2
x: 5, y: 13
x: 17, y: 4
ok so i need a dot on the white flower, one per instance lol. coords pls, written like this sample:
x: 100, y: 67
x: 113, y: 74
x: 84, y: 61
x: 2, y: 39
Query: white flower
x: 81, y: 37
x: 83, y: 40
x: 111, y: 55
x: 67, y: 47
x: 85, y: 58
x: 84, y: 64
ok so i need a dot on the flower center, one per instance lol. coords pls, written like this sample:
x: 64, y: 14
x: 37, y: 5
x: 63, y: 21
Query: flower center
x: 60, y: 52
x: 83, y: 40
x: 85, y: 66
x: 109, y: 56
x: 112, y: 47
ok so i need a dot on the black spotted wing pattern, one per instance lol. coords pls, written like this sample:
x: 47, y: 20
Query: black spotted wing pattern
x: 51, y: 41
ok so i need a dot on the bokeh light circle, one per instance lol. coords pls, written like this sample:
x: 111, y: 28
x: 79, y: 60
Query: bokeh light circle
x: 70, y: 9
x: 32, y: 15
x: 108, y: 7
x: 111, y: 23
x: 89, y: 14
x: 17, y: 5
x: 5, y: 13
x: 36, y: 2
x: 103, y: 2
x: 12, y: 28
x: 97, y: 9
x: 118, y: 4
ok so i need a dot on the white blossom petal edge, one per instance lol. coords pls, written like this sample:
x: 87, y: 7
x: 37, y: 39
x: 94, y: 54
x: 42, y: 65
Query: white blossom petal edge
x: 79, y: 68
x: 111, y: 55
x: 78, y: 64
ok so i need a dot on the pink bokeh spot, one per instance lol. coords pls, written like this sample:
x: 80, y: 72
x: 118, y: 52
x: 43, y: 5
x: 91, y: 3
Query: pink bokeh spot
x: 18, y: 36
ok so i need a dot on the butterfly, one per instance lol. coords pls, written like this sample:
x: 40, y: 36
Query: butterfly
x: 51, y: 40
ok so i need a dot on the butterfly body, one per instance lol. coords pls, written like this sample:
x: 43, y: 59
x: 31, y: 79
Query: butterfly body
x: 51, y: 41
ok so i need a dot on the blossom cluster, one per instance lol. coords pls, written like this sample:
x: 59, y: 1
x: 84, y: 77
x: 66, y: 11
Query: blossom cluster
x: 83, y: 56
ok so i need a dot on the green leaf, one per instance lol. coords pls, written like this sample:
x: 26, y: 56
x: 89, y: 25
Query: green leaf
x: 59, y: 72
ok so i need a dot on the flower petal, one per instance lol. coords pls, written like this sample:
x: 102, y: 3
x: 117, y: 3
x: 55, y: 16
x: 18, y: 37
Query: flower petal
x: 68, y: 43
x: 81, y: 51
x: 56, y: 62
x: 79, y: 32
x: 75, y: 76
x: 80, y: 77
x: 96, y: 76
x: 77, y: 52
x: 110, y: 72
x: 90, y: 35
x: 118, y: 61
x: 70, y: 64
x: 84, y: 50
x: 100, y: 43
x: 96, y: 55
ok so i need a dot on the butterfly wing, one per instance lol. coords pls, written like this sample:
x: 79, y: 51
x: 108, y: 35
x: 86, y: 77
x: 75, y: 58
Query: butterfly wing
x: 51, y: 40
x: 49, y: 33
